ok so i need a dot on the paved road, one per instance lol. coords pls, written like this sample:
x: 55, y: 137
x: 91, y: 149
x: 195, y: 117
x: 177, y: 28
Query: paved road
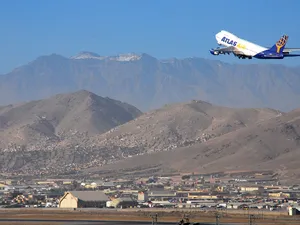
x: 94, y: 222
x: 100, y: 222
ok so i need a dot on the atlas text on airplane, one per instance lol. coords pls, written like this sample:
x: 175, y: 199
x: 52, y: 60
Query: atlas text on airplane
x: 245, y: 49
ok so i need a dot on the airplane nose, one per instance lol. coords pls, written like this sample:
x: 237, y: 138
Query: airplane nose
x: 218, y: 35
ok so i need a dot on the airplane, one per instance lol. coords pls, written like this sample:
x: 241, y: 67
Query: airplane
x: 244, y: 49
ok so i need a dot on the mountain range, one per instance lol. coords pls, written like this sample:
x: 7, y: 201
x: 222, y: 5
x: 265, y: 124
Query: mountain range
x: 36, y: 134
x: 159, y: 116
x: 149, y: 83
x: 80, y: 133
x: 271, y: 144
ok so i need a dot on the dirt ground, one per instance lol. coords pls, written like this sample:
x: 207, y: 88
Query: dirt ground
x: 142, y: 215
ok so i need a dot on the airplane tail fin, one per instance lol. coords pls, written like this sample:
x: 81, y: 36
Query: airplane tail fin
x: 280, y: 45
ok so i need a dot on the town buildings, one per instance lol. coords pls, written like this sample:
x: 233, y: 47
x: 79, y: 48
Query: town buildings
x: 187, y: 191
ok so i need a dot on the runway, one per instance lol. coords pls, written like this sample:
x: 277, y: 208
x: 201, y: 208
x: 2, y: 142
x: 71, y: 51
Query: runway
x: 91, y: 222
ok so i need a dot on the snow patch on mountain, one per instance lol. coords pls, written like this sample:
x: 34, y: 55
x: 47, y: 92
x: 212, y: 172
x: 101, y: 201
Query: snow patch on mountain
x: 88, y: 55
x: 121, y: 57
x: 126, y: 57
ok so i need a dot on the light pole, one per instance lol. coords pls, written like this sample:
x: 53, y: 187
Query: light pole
x: 154, y: 219
x: 217, y: 218
x: 251, y: 218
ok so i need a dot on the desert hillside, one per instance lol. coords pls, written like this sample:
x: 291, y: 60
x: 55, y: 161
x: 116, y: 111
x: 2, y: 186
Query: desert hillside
x: 272, y: 144
x: 69, y: 133
x: 30, y: 129
x: 179, y: 125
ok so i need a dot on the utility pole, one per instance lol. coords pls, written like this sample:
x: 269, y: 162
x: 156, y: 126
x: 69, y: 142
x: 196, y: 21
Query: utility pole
x: 251, y: 218
x: 217, y: 218
x: 154, y: 219
x: 187, y: 219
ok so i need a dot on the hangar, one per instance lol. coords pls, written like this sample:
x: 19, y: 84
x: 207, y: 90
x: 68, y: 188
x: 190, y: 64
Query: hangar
x: 83, y: 199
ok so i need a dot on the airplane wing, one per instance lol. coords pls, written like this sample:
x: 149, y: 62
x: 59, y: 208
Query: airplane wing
x: 226, y: 50
x: 286, y: 50
x: 291, y: 49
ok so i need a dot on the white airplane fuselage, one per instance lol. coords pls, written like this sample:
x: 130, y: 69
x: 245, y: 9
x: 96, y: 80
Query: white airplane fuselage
x: 248, y: 48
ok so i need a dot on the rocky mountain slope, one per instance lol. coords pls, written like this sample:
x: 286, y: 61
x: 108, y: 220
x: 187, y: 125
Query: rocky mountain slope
x: 49, y: 124
x: 271, y: 144
x: 179, y: 125
x: 66, y: 133
x: 148, y: 83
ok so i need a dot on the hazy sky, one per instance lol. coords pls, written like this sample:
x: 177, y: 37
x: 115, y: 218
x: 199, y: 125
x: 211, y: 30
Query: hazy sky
x: 161, y: 28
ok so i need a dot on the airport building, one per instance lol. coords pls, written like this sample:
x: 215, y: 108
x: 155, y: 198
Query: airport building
x: 84, y: 199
